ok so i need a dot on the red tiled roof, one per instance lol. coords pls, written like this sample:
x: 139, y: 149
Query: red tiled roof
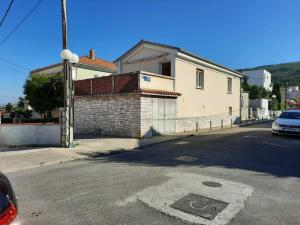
x: 97, y: 62
x: 158, y: 92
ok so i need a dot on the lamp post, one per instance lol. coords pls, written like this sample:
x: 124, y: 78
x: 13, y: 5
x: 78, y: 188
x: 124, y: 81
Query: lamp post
x: 69, y: 58
x: 285, y: 96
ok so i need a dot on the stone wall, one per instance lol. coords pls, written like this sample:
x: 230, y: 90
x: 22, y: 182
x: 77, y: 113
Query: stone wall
x: 112, y: 114
x: 205, y: 122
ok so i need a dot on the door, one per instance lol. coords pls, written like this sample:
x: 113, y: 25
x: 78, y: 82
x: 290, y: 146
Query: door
x: 164, y: 115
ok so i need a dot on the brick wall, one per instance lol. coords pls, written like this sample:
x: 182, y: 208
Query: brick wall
x: 125, y: 83
x: 121, y: 83
x: 111, y: 114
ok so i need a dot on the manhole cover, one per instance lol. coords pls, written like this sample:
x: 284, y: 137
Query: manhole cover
x: 211, y: 184
x: 198, y: 205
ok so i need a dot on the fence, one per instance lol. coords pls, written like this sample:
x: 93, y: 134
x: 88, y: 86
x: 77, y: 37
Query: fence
x: 107, y: 85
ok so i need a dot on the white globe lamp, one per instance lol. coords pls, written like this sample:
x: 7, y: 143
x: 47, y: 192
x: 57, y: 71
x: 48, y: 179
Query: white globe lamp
x: 74, y: 59
x: 66, y: 54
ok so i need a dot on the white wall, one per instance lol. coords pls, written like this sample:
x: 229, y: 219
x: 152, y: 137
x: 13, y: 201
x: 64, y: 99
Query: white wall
x: 14, y: 135
x: 260, y: 78
x: 147, y: 58
x: 81, y: 73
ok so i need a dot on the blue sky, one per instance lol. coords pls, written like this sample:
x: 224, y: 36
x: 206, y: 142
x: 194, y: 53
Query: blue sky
x: 235, y: 33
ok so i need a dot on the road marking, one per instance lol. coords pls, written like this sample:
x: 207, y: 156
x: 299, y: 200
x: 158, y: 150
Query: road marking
x: 162, y: 196
x: 276, y: 145
x: 128, y: 200
x: 182, y: 142
x: 186, y: 158
x: 250, y: 136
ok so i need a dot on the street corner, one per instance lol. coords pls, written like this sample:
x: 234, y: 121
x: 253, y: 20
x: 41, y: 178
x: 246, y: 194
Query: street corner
x: 197, y: 199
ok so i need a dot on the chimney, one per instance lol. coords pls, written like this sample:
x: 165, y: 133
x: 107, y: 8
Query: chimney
x: 92, y: 54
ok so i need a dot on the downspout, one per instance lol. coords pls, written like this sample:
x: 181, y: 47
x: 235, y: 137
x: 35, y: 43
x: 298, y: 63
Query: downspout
x: 240, y: 100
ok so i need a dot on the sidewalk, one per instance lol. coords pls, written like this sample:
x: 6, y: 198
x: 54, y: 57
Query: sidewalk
x: 15, y: 159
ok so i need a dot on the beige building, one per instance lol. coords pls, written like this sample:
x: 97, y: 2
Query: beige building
x: 171, y: 90
x: 89, y: 66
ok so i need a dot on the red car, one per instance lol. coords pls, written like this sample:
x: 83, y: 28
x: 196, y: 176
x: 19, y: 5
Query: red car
x: 8, y: 203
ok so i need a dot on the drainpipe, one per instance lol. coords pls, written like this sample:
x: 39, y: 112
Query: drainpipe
x: 240, y: 100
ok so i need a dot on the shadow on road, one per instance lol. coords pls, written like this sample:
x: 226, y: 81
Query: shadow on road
x: 253, y: 150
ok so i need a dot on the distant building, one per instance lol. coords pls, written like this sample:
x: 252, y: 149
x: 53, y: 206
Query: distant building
x: 293, y: 93
x: 88, y: 67
x: 260, y: 78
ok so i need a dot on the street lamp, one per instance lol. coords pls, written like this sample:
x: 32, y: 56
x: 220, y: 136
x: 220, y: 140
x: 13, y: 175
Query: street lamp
x: 66, y: 54
x: 69, y: 58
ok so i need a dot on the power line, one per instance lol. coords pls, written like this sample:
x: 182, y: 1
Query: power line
x: 14, y: 64
x: 7, y: 10
x: 37, y: 4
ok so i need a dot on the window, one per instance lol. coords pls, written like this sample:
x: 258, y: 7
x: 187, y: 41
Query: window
x: 229, y: 85
x: 230, y: 111
x: 290, y: 115
x: 165, y: 68
x: 200, y: 79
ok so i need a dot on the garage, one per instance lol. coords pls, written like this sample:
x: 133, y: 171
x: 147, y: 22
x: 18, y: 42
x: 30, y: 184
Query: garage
x: 163, y: 116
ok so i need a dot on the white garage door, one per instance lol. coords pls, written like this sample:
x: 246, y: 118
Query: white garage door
x: 164, y: 115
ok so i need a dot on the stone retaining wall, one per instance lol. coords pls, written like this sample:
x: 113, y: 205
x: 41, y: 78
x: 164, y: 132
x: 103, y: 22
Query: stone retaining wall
x: 198, y: 123
x: 112, y: 114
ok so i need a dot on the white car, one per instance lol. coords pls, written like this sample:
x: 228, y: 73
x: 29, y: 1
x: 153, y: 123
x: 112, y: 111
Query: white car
x: 287, y: 123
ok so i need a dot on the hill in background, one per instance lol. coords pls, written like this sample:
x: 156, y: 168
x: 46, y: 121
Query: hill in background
x: 283, y: 73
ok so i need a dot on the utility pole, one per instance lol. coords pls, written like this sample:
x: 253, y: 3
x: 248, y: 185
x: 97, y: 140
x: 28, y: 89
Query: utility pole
x: 67, y: 118
x: 285, y: 96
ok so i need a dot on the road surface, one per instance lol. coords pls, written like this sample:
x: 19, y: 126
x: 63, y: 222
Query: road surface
x: 99, y: 190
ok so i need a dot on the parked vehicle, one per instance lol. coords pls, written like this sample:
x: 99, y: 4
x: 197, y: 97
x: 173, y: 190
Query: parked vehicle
x: 287, y: 123
x: 8, y: 203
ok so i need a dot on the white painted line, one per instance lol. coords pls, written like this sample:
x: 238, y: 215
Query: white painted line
x: 182, y: 142
x: 276, y: 145
x: 186, y: 158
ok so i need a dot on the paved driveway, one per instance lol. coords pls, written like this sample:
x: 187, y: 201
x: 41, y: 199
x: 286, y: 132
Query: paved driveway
x: 103, y: 190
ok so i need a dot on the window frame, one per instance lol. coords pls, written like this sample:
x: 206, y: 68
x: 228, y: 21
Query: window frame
x: 229, y: 91
x: 230, y: 110
x: 160, y: 68
x: 199, y: 73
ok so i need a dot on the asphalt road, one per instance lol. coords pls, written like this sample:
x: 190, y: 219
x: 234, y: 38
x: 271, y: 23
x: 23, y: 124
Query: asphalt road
x: 90, y: 191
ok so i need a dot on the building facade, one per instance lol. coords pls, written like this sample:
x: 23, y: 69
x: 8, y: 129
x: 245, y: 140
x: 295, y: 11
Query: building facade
x: 159, y: 89
x: 261, y: 78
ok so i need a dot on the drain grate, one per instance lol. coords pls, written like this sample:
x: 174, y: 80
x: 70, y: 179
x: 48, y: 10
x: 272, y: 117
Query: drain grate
x: 211, y: 184
x: 198, y: 205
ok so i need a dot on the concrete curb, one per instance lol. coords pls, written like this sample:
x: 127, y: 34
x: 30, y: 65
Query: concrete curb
x: 89, y: 155
x: 256, y: 122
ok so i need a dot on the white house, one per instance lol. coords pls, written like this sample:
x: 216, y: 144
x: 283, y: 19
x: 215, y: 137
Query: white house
x: 260, y: 78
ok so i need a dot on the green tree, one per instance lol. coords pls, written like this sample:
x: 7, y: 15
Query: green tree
x: 21, y: 104
x: 276, y: 91
x: 44, y: 93
x: 245, y: 84
x: 8, y: 107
